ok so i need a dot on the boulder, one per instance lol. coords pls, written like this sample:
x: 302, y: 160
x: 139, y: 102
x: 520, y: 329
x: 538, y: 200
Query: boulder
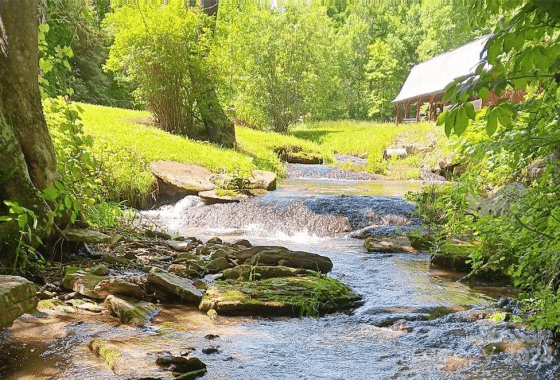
x: 276, y: 255
x: 217, y: 265
x: 181, y: 287
x: 242, y: 242
x: 118, y: 286
x: 189, y: 368
x: 262, y: 179
x: 17, y: 297
x: 249, y: 272
x: 219, y: 253
x: 293, y: 296
x: 81, y: 281
x: 180, y: 246
x: 295, y: 155
x: 202, y: 250
x: 80, y: 235
x: 98, y: 287
x: 105, y: 350
x: 114, y: 260
x: 100, y: 270
x: 500, y: 203
x: 130, y: 311
x: 389, y: 244
x: 214, y: 240
x: 177, y: 179
x: 455, y: 255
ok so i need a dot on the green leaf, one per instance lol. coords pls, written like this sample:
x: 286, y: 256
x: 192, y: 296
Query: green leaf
x: 498, y: 317
x: 450, y: 122
x: 22, y: 220
x: 462, y: 121
x: 68, y: 202
x: 492, y: 123
x: 494, y: 50
x: 45, y: 65
x: 508, y: 44
x: 471, y: 112
x: 6, y: 218
x: 50, y: 193
x: 519, y: 41
x: 442, y: 117
x: 73, y: 217
x: 484, y: 93
x: 504, y: 118
x: 60, y: 186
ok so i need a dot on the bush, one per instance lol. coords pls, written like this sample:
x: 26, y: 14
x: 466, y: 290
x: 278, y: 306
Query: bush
x: 160, y: 50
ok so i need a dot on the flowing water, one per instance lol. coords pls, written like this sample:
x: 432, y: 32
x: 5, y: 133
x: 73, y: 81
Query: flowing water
x: 389, y: 337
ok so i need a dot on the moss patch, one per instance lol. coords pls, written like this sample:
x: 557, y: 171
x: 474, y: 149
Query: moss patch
x: 296, y: 296
x: 106, y: 351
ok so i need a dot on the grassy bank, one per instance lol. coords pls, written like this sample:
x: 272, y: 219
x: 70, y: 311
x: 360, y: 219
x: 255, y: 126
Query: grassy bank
x: 126, y: 141
x: 369, y: 140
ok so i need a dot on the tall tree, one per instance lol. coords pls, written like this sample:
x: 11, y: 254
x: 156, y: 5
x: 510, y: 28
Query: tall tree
x: 27, y: 159
x: 219, y: 128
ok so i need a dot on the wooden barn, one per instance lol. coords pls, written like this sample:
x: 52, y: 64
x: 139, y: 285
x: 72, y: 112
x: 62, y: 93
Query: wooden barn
x: 427, y: 80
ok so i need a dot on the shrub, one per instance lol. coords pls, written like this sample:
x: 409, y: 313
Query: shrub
x: 160, y: 49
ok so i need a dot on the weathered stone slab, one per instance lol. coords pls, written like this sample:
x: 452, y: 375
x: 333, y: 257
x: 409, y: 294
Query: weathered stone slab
x: 80, y: 235
x: 391, y: 244
x: 276, y: 255
x: 247, y: 272
x: 132, y: 312
x: 293, y: 296
x: 98, y: 287
x: 176, y: 285
x: 175, y: 178
x: 17, y: 297
x: 213, y: 196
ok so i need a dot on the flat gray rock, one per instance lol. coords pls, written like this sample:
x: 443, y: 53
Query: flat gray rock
x: 176, y: 178
x: 176, y: 285
x: 80, y: 235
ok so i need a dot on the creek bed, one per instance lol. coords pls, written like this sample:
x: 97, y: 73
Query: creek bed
x: 414, y: 323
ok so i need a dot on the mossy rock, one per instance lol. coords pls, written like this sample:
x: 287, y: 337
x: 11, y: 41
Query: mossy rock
x: 108, y: 352
x: 130, y: 311
x: 389, y: 244
x: 420, y: 240
x: 292, y: 296
x: 246, y: 272
x: 454, y: 256
x: 17, y: 297
x: 217, y: 265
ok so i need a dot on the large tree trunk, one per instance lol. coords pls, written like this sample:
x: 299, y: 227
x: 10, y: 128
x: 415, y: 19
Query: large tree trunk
x: 27, y: 160
x: 219, y: 129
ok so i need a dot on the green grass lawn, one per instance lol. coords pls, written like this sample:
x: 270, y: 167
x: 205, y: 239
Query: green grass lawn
x: 369, y: 140
x: 125, y: 142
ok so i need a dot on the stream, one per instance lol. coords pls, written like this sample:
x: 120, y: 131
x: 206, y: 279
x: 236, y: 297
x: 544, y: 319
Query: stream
x: 317, y: 209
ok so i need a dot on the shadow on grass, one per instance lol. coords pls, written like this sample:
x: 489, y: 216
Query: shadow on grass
x: 315, y: 135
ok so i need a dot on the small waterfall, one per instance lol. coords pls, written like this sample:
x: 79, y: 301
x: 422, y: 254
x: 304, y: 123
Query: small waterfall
x: 282, y: 215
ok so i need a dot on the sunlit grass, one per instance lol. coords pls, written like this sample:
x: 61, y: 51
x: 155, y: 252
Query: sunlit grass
x: 369, y: 140
x: 125, y: 143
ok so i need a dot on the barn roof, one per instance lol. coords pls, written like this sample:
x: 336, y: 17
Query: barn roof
x: 431, y: 77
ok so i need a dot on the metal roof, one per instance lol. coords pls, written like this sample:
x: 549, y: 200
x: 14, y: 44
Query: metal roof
x: 431, y: 77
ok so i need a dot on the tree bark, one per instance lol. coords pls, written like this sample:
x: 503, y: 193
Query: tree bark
x: 27, y: 159
x: 219, y: 128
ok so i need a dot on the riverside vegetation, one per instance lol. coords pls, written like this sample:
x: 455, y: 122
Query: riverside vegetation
x: 103, y: 154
